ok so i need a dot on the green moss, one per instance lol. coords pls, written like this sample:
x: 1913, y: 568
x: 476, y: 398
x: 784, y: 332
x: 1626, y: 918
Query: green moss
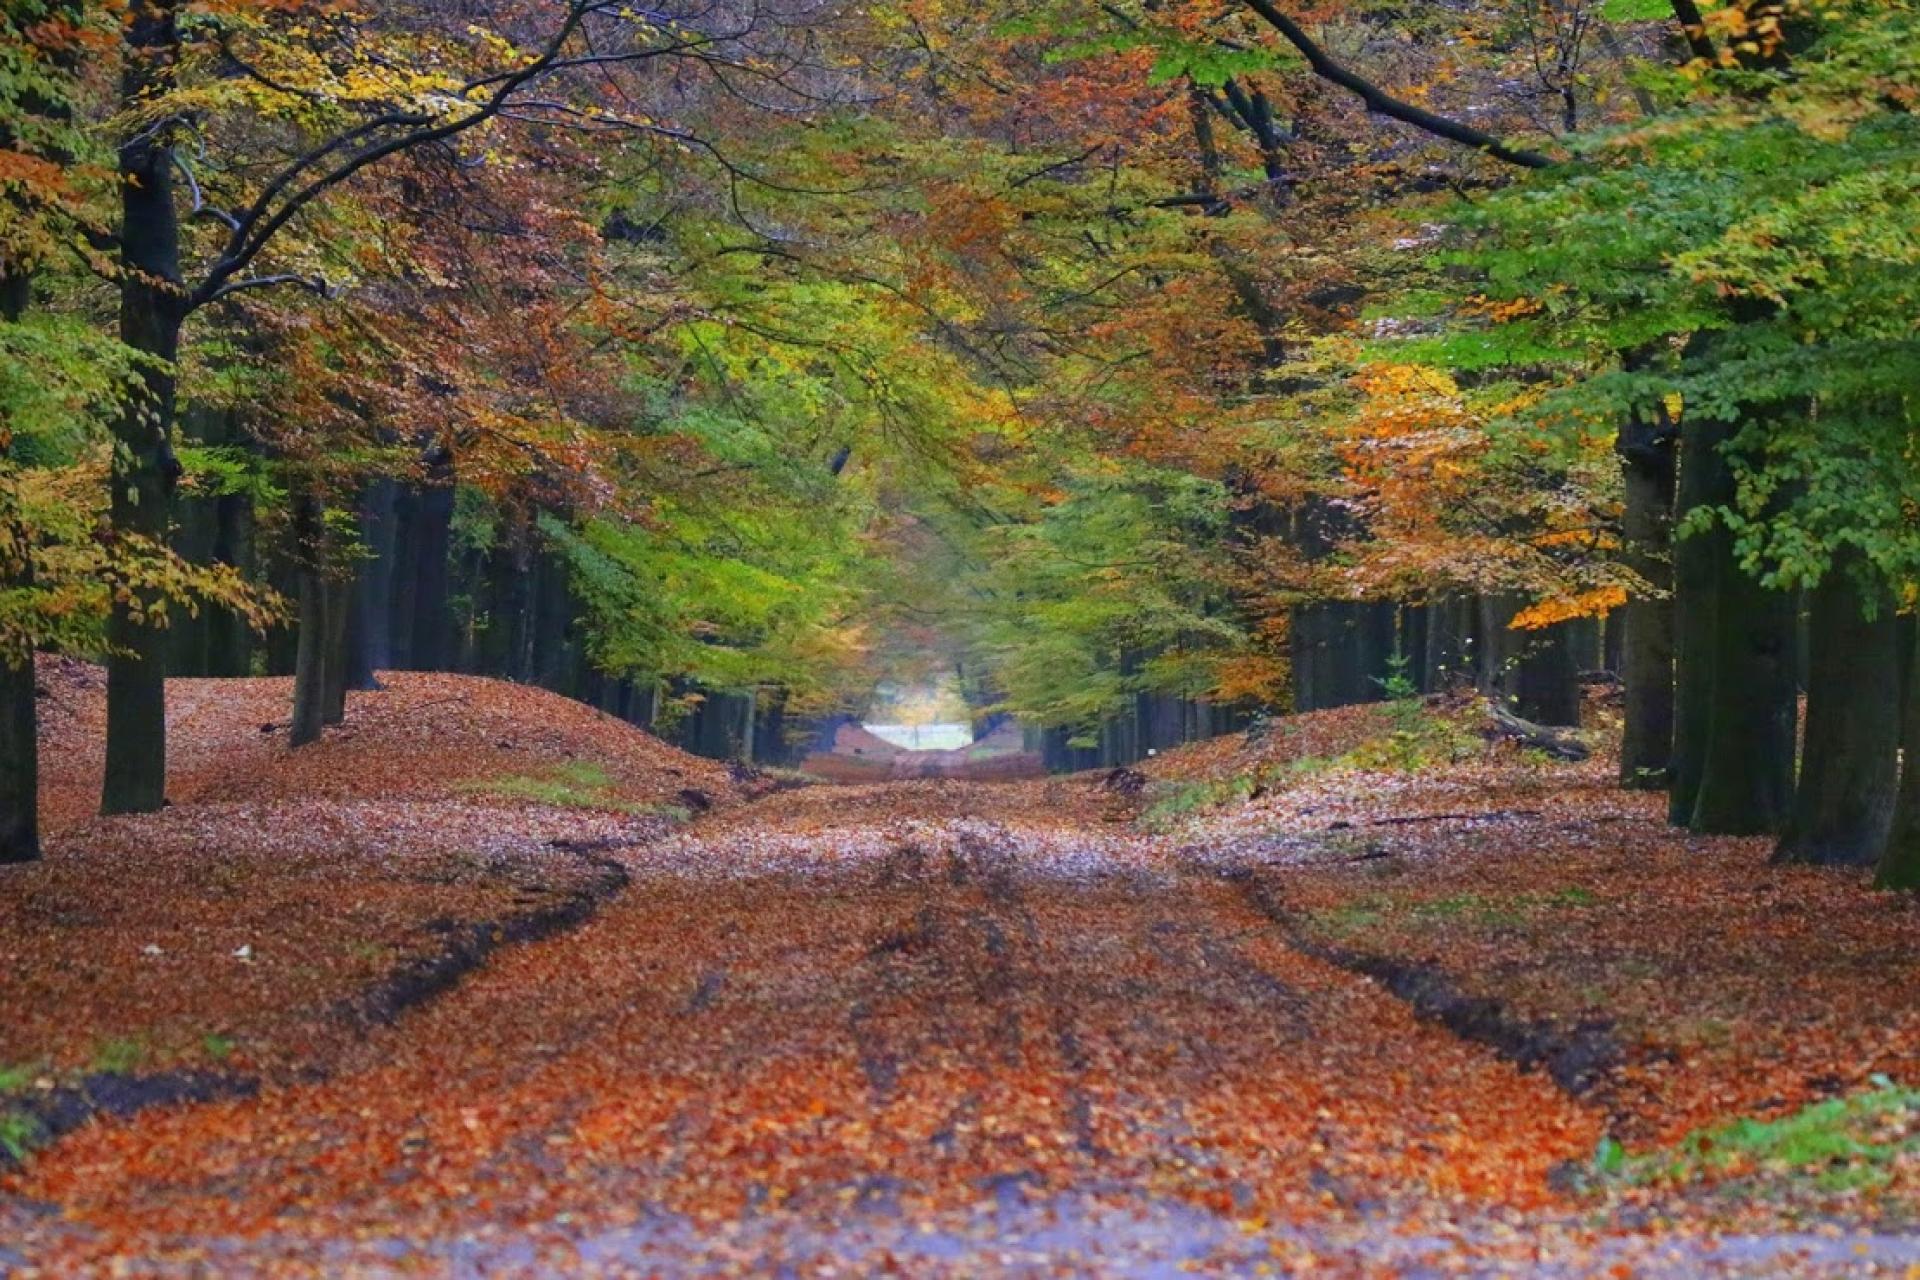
x: 575, y: 784
x: 18, y: 1134
x: 1842, y: 1144
x: 119, y: 1055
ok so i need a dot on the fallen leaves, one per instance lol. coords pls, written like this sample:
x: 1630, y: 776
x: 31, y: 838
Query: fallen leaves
x: 934, y: 1027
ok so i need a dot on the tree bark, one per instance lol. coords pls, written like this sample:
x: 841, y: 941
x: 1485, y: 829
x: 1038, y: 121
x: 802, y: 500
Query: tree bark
x: 336, y: 664
x: 1752, y: 700
x: 1850, y: 774
x: 1546, y: 680
x: 1649, y: 468
x: 152, y: 308
x: 1900, y: 865
x: 310, y: 660
x: 1449, y: 660
x: 433, y: 529
x: 373, y: 584
x: 1693, y: 626
x: 19, y: 717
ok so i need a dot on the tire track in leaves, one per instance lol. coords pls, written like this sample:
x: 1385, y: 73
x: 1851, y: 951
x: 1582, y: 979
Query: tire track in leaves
x: 845, y: 1026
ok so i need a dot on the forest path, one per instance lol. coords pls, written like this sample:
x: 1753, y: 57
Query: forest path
x: 851, y: 1031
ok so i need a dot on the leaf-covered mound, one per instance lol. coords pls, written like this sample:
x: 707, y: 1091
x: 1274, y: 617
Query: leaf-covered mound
x: 421, y: 736
x: 239, y: 927
x: 1727, y: 989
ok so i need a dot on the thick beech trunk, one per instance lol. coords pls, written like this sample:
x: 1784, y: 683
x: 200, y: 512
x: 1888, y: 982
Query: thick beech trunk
x: 309, y: 666
x: 336, y: 669
x: 1613, y: 632
x: 19, y: 721
x: 310, y: 660
x: 144, y: 467
x: 1746, y: 773
x: 1843, y: 807
x: 1693, y: 595
x: 372, y: 629
x: 230, y: 639
x: 1900, y: 865
x: 19, y: 757
x: 1648, y: 466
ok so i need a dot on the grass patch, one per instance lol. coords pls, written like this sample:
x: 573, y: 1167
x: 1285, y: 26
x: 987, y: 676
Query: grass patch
x: 1172, y: 802
x: 18, y: 1134
x: 575, y: 784
x: 1843, y: 1144
x: 14, y: 1079
x: 1412, y: 737
x: 1416, y: 736
x: 119, y: 1056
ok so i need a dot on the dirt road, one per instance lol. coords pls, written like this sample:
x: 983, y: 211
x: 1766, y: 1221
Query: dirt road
x: 842, y: 1032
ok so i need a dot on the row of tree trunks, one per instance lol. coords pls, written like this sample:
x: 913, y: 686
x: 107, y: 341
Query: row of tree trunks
x: 1154, y: 723
x: 212, y: 529
x: 1532, y: 673
x: 1346, y: 652
x: 1341, y: 652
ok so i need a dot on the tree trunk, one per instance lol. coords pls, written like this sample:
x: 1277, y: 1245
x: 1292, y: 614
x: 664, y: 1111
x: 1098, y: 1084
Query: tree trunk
x: 19, y: 753
x: 1693, y: 620
x: 1546, y: 679
x: 336, y: 666
x: 310, y: 660
x: 144, y: 467
x: 1900, y: 865
x: 230, y: 638
x: 1752, y: 703
x: 1307, y: 655
x: 403, y: 579
x: 432, y: 626
x: 1648, y: 466
x: 1750, y: 707
x: 1410, y: 650
x: 373, y: 584
x: 1849, y: 775
x: 19, y: 720
x: 1448, y: 658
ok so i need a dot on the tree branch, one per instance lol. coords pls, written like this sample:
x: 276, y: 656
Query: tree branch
x: 1383, y: 103
x: 1695, y: 26
x: 315, y: 284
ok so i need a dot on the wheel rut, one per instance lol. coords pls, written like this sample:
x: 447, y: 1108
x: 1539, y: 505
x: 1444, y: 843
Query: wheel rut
x: 844, y: 1032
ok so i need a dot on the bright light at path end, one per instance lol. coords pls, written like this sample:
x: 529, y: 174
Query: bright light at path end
x: 923, y: 737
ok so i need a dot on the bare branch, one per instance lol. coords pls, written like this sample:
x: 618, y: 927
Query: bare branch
x: 1380, y: 101
x: 313, y: 284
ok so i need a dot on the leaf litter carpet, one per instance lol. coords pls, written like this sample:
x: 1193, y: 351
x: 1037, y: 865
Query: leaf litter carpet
x: 922, y: 1029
